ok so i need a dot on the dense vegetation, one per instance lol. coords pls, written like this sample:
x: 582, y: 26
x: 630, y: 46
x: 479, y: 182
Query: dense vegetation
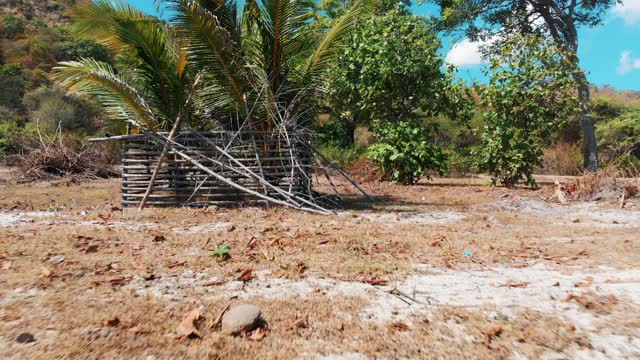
x: 369, y: 67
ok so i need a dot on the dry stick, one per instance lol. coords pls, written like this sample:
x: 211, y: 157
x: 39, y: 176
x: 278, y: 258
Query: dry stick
x: 326, y: 174
x: 342, y: 172
x: 255, y: 148
x: 162, y: 139
x: 166, y: 147
x: 163, y: 155
x: 287, y: 195
x: 242, y: 188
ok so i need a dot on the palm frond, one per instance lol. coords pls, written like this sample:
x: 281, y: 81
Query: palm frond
x: 212, y: 47
x: 328, y: 48
x: 120, y: 100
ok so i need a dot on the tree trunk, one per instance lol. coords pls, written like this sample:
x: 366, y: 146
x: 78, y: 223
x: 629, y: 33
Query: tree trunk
x: 590, y: 146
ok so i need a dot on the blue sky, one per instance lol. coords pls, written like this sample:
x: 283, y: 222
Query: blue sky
x: 610, y: 52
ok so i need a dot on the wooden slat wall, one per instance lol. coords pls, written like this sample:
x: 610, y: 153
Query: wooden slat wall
x: 178, y: 179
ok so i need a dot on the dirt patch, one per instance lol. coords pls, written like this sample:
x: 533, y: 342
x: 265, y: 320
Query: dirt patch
x: 504, y: 275
x: 413, y: 217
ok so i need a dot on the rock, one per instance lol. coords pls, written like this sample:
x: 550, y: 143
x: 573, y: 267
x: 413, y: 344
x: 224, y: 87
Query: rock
x: 56, y: 260
x: 25, y: 338
x: 241, y: 318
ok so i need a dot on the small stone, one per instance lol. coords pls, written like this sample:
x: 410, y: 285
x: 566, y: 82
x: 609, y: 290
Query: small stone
x: 241, y: 318
x: 25, y: 338
x: 56, y: 260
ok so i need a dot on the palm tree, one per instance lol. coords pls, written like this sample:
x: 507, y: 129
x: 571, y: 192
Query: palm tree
x: 261, y: 63
x: 154, y: 88
x: 261, y: 66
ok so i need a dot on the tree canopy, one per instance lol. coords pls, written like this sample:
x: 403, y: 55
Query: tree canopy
x: 500, y: 20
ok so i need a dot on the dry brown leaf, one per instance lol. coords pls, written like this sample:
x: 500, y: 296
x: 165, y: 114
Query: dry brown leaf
x: 583, y: 299
x: 188, y: 326
x: 46, y: 272
x: 515, y: 284
x: 299, y: 323
x: 214, y: 283
x: 257, y: 334
x: 171, y: 265
x: 246, y: 274
x: 159, y: 238
x: 491, y: 333
x: 115, y: 321
x: 398, y: 326
x: 218, y: 318
x: 375, y: 281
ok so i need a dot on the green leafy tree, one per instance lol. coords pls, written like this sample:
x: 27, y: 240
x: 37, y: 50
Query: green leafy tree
x: 12, y: 26
x: 78, y: 49
x: 621, y: 133
x: 52, y: 109
x: 406, y: 151
x: 528, y: 98
x: 12, y: 86
x: 558, y: 20
x: 391, y: 69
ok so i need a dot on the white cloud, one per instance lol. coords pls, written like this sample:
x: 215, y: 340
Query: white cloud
x: 465, y: 53
x: 629, y: 10
x: 627, y: 63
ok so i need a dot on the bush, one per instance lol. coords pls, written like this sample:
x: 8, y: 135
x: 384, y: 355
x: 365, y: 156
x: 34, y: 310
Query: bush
x: 12, y: 86
x: 530, y: 96
x: 620, y: 134
x: 52, y: 110
x: 16, y: 139
x: 12, y: 26
x: 343, y: 156
x: 82, y: 49
x: 563, y: 158
x: 334, y: 133
x: 406, y: 151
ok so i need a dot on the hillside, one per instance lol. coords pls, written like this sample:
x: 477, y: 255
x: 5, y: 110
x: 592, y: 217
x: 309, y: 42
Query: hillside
x: 49, y: 11
x: 34, y: 37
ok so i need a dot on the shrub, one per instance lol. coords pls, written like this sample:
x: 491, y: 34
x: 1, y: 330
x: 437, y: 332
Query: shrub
x: 52, y: 109
x: 12, y: 86
x: 15, y: 136
x: 12, y: 26
x: 82, y: 49
x: 530, y: 95
x: 343, y: 156
x: 406, y: 151
x: 334, y: 133
x: 620, y: 134
x: 562, y: 158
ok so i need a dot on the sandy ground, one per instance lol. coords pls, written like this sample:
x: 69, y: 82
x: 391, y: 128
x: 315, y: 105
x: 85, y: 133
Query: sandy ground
x: 447, y: 269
